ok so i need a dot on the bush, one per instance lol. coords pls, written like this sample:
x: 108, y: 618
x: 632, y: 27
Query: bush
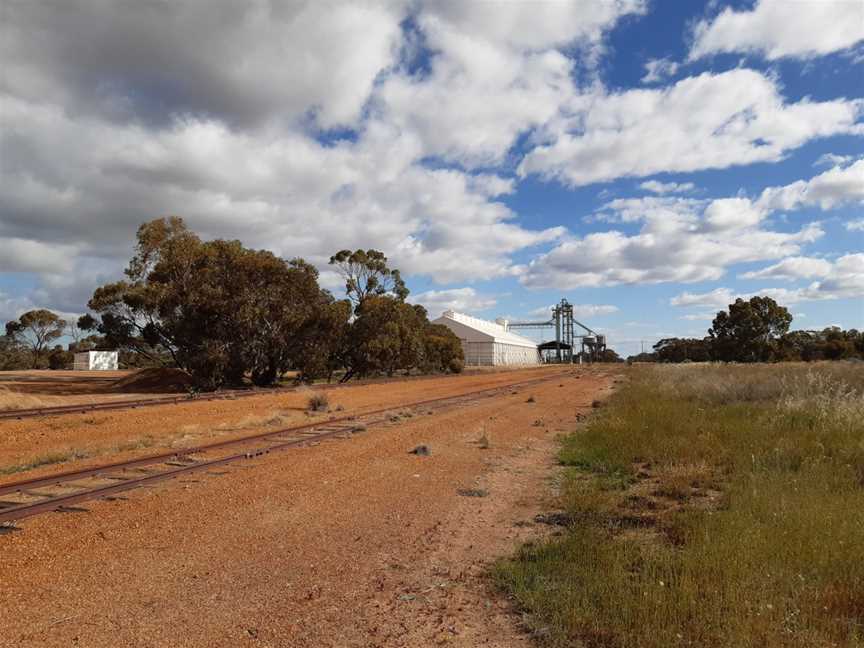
x: 318, y: 403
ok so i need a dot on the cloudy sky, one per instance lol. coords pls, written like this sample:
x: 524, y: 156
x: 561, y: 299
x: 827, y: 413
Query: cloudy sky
x: 648, y: 160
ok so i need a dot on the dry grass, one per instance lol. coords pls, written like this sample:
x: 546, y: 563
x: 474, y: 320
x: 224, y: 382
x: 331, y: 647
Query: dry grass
x: 318, y: 403
x: 709, y: 506
x: 47, y: 459
x: 252, y: 421
x: 12, y: 400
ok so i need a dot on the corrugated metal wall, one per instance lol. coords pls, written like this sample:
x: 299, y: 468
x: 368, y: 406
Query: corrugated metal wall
x: 498, y: 354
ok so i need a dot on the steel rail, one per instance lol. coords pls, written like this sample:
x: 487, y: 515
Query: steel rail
x: 13, y: 511
x: 229, y: 394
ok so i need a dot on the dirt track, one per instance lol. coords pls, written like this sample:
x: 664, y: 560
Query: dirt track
x: 96, y: 436
x: 349, y: 543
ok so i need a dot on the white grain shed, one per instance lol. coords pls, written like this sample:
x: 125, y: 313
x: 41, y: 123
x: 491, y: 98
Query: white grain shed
x: 490, y: 343
x: 95, y: 361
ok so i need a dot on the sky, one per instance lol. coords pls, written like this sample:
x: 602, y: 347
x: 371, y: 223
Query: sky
x: 648, y: 161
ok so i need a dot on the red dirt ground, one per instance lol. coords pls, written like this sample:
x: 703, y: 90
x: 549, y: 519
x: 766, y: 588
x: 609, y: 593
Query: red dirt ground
x: 347, y: 543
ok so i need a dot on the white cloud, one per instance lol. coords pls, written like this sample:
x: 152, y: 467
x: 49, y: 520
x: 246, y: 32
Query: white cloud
x: 855, y: 225
x: 241, y: 63
x: 659, y: 70
x: 493, y: 74
x: 834, y: 188
x: 667, y: 187
x: 699, y: 317
x: 681, y: 240
x: 11, y: 308
x: 579, y: 310
x: 719, y: 297
x: 844, y: 280
x: 711, y: 121
x: 224, y: 128
x: 25, y: 255
x: 288, y: 194
x: 832, y: 160
x: 793, y: 268
x: 462, y: 300
x: 779, y: 28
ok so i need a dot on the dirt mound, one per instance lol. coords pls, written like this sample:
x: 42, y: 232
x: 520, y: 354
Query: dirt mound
x: 154, y: 380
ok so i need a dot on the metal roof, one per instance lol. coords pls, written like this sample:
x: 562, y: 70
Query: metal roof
x: 497, y: 332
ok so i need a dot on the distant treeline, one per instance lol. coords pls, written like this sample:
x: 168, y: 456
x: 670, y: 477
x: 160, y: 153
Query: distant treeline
x: 226, y: 314
x: 757, y: 330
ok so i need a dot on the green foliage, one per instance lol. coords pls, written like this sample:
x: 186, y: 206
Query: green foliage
x: 223, y: 312
x: 749, y: 330
x: 13, y: 354
x: 366, y: 275
x: 758, y: 331
x: 36, y: 330
x: 683, y: 349
x: 217, y: 309
x: 60, y: 358
x: 775, y: 561
x: 442, y: 350
x: 386, y: 334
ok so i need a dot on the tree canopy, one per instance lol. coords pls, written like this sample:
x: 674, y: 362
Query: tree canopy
x: 35, y: 330
x: 224, y: 313
x: 749, y: 330
x: 757, y: 330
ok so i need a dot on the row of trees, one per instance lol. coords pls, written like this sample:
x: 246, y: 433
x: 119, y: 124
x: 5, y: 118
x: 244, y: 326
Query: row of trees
x: 757, y: 330
x: 223, y: 312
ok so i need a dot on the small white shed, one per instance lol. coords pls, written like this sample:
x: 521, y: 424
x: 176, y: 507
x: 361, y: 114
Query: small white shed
x: 490, y: 343
x: 95, y: 361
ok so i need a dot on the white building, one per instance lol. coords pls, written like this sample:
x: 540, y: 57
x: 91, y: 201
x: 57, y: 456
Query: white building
x: 489, y: 343
x: 95, y: 361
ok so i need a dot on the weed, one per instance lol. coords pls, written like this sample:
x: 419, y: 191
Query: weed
x: 318, y: 403
x: 472, y: 492
x: 44, y: 460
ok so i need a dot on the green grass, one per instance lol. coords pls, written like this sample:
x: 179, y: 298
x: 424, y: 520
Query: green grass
x: 755, y: 535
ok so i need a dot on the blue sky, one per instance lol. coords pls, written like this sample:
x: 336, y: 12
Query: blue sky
x: 649, y: 161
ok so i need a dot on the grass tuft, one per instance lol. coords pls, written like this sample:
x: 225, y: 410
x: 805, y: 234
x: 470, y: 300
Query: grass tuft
x: 318, y: 403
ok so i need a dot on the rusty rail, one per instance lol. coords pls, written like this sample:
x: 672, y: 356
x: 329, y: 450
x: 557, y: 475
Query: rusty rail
x: 182, y: 462
x: 228, y: 394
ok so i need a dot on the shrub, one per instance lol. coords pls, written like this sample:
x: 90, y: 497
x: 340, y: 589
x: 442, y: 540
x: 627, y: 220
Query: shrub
x: 318, y: 403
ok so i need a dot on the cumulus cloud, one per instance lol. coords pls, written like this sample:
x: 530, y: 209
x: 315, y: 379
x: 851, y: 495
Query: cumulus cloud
x: 777, y: 29
x: 667, y: 187
x: 844, y: 279
x: 243, y: 64
x: 285, y: 125
x: 855, y: 225
x: 493, y: 74
x: 832, y: 160
x: 659, y: 70
x: 719, y: 297
x: 462, y: 300
x: 834, y: 188
x: 290, y: 194
x: 579, y: 310
x: 711, y: 121
x: 680, y: 240
x: 793, y: 268
x: 25, y: 255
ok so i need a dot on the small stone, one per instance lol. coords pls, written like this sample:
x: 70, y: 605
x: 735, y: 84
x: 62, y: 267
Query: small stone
x: 421, y: 451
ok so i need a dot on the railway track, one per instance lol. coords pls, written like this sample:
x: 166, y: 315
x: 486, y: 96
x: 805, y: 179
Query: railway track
x: 228, y: 394
x: 62, y: 491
